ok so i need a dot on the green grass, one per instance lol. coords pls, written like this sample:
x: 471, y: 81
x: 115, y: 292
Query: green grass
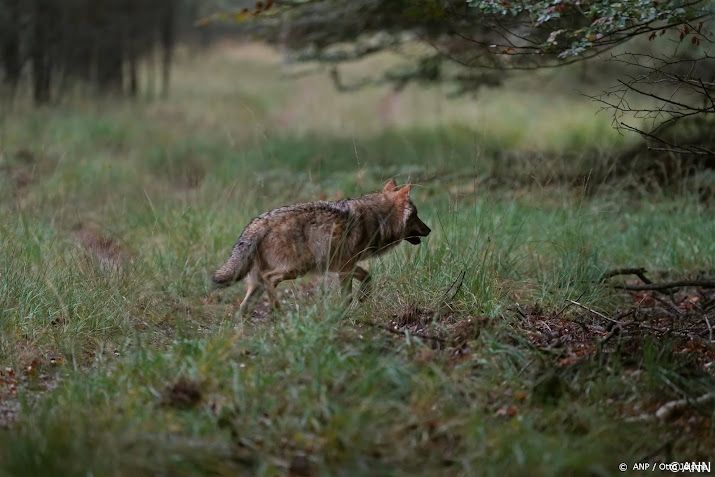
x: 167, y: 186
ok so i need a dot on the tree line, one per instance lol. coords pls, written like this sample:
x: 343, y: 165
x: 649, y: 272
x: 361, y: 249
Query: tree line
x: 50, y: 46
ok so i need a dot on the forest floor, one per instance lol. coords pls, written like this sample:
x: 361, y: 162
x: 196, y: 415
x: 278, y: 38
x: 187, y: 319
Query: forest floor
x: 505, y: 344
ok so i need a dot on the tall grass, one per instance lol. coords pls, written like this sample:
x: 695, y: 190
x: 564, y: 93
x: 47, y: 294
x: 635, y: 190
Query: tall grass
x: 112, y: 218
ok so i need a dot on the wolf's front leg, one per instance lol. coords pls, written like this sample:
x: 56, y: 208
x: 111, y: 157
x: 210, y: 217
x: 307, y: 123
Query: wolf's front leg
x: 346, y: 284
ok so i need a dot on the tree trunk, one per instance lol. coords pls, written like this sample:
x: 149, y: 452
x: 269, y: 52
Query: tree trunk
x: 110, y: 48
x: 133, y: 32
x: 11, y: 60
x: 167, y: 44
x: 40, y: 51
x: 110, y: 76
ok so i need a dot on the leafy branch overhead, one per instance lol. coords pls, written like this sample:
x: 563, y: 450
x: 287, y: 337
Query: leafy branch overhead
x: 474, y: 43
x: 577, y: 27
x: 473, y: 32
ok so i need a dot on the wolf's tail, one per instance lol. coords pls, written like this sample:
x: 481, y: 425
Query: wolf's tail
x: 241, y: 259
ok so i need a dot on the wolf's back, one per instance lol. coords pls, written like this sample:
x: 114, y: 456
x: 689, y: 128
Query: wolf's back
x: 243, y: 254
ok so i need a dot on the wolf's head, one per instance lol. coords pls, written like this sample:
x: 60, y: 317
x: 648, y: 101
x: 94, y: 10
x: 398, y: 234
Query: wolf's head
x: 412, y: 227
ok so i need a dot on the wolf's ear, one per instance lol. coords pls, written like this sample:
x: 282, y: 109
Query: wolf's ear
x: 404, y: 192
x: 390, y: 186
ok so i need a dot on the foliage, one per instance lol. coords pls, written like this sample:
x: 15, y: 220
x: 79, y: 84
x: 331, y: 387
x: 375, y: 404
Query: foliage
x: 473, y: 43
x: 576, y: 27
x: 541, y: 31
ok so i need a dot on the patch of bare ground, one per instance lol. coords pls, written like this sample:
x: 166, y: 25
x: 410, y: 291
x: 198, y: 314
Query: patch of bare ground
x: 680, y: 319
x: 307, y: 288
x: 570, y: 339
x: 444, y: 327
x: 23, y: 168
x: 100, y: 246
x: 31, y: 380
x: 442, y: 330
x: 183, y: 394
x: 683, y: 318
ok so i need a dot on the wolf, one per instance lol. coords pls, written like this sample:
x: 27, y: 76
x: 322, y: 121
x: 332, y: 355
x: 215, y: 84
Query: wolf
x: 324, y: 236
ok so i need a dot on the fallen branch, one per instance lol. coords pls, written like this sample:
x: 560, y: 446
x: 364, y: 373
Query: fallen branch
x: 639, y: 272
x: 648, y: 284
x: 668, y: 285
x: 665, y: 411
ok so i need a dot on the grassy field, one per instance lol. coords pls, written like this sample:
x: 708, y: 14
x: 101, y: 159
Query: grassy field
x: 116, y: 358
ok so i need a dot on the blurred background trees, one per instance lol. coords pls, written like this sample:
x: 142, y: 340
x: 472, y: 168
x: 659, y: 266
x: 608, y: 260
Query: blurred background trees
x: 661, y: 73
x: 50, y: 46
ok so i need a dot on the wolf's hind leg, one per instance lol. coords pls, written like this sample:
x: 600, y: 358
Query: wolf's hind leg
x: 253, y: 288
x: 271, y: 280
x: 346, y: 283
x: 272, y: 295
x: 366, y: 282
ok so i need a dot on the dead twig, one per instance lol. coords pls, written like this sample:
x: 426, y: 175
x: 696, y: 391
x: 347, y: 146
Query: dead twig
x: 568, y: 304
x: 639, y: 272
x: 597, y: 313
x: 618, y: 326
x: 665, y: 411
x: 606, y: 338
x: 449, y: 295
x: 454, y: 287
x: 517, y: 308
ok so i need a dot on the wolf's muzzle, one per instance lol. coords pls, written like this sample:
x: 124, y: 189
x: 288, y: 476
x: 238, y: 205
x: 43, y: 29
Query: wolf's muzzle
x: 422, y: 231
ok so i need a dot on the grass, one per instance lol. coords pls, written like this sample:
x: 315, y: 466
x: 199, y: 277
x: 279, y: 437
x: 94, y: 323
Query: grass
x: 116, y: 359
